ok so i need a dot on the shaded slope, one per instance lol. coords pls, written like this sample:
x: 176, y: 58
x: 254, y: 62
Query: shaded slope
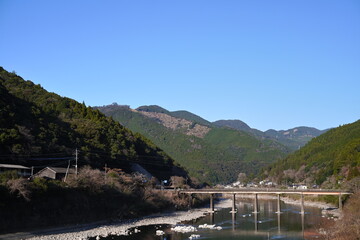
x: 42, y: 128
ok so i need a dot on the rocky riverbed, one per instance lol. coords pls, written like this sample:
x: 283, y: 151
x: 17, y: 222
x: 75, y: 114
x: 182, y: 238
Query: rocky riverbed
x: 122, y: 228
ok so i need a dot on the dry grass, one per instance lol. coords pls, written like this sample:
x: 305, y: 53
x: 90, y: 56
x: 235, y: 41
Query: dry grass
x: 347, y: 228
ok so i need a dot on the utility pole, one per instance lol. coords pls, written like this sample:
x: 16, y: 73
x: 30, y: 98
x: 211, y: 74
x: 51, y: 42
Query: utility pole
x: 32, y: 171
x: 76, y: 162
x: 67, y: 171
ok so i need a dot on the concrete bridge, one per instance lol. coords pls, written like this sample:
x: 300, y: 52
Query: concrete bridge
x: 267, y: 191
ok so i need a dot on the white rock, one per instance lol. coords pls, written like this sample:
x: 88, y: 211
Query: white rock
x: 194, y: 236
x: 184, y: 229
x: 210, y: 226
x: 159, y: 232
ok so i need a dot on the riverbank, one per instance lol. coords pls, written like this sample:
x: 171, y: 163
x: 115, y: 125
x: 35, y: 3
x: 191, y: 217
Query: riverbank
x: 118, y: 228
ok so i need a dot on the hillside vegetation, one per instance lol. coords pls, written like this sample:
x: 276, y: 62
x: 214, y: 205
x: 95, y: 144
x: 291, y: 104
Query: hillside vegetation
x: 38, y: 128
x: 330, y: 159
x: 90, y: 196
x: 292, y: 138
x: 210, y: 153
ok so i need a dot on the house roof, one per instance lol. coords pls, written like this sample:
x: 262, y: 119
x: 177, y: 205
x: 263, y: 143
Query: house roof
x: 61, y: 170
x: 12, y: 166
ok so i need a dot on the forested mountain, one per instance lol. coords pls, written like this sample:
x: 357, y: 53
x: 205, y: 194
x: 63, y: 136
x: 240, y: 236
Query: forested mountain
x: 177, y: 114
x: 190, y: 117
x: 238, y: 125
x: 293, y: 138
x: 208, y: 152
x: 38, y: 128
x: 328, y: 159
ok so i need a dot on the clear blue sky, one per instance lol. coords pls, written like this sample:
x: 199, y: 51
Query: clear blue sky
x: 273, y: 64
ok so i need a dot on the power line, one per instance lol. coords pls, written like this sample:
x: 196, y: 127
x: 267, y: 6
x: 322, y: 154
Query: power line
x: 133, y: 160
x: 52, y: 165
x: 43, y: 159
x: 33, y: 155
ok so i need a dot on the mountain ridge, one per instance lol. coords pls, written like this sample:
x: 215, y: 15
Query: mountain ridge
x: 293, y: 138
x: 203, y: 154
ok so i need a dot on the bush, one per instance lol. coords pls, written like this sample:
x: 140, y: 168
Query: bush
x: 348, y: 228
x: 8, y: 175
x: 20, y: 187
x: 89, y: 179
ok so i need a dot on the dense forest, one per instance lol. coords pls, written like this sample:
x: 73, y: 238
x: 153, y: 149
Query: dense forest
x: 331, y: 159
x: 292, y: 138
x: 214, y: 154
x: 38, y: 128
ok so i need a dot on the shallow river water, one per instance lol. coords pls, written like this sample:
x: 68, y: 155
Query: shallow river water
x: 244, y: 224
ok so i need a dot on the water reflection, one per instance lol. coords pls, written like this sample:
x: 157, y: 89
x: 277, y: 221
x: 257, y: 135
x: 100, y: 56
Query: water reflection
x: 279, y: 222
x: 256, y: 221
x: 212, y: 218
x: 302, y: 223
x: 233, y: 217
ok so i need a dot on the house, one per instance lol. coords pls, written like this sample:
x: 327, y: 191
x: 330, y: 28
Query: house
x: 21, y: 170
x: 54, y: 173
x: 139, y: 169
x: 302, y: 187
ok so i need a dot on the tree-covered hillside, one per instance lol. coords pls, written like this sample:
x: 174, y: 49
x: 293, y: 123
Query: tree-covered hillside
x: 210, y: 153
x: 191, y: 117
x: 42, y: 128
x: 238, y: 125
x: 293, y: 138
x: 330, y: 159
x: 296, y: 137
x: 178, y: 114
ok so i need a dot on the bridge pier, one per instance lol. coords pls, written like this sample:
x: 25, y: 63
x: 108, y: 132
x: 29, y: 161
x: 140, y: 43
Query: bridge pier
x: 278, y: 204
x: 302, y: 204
x: 190, y: 201
x: 212, y: 203
x: 340, y: 201
x: 256, y: 204
x: 233, y: 209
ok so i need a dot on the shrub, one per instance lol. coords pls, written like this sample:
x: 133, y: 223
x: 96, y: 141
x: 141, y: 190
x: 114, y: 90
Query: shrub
x: 20, y: 187
x: 348, y: 227
x: 7, y: 175
x: 89, y: 179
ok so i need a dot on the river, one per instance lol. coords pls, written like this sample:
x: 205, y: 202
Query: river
x: 244, y: 224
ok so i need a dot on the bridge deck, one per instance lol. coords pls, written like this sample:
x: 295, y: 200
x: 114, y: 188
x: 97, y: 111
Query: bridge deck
x: 265, y: 191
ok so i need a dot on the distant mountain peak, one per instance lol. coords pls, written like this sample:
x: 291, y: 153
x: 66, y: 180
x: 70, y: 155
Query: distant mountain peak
x: 152, y: 108
x: 174, y: 123
x: 233, y: 123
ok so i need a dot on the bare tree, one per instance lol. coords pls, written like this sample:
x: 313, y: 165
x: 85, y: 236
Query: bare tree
x: 19, y: 186
x: 242, y: 177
